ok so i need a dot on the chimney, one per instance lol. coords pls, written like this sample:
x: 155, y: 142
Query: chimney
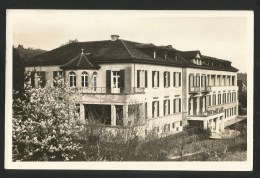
x: 114, y: 37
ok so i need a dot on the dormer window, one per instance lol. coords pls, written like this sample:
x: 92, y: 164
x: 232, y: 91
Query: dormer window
x: 165, y: 56
x: 154, y: 55
x: 176, y: 58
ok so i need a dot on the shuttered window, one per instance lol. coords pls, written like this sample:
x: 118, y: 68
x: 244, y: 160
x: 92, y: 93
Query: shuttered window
x: 166, y: 76
x: 141, y: 78
x: 155, y: 79
x: 155, y: 109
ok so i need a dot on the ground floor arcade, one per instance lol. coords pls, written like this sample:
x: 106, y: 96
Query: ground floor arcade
x: 112, y: 114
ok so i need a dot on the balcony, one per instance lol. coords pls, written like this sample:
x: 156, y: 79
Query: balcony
x: 105, y: 90
x: 205, y: 89
x: 194, y: 89
x: 209, y: 112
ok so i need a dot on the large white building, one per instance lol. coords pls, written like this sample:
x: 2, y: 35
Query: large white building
x: 123, y: 83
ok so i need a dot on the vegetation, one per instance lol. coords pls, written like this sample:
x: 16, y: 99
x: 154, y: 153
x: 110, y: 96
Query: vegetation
x: 26, y: 53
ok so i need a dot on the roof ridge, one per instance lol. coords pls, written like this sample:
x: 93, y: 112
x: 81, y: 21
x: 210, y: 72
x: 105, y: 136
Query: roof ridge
x: 79, y: 59
x: 70, y: 61
x: 127, y: 48
x: 87, y: 60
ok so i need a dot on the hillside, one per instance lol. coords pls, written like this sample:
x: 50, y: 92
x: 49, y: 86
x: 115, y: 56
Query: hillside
x: 26, y: 53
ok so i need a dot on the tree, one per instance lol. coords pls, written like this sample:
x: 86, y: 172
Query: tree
x: 44, y: 124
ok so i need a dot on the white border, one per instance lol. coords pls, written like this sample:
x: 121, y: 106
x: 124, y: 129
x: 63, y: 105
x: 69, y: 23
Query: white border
x: 194, y: 166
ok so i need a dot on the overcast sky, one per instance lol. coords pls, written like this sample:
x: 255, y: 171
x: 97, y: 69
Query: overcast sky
x: 215, y: 34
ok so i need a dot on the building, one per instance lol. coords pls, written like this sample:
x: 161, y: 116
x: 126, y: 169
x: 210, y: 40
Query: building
x: 123, y: 83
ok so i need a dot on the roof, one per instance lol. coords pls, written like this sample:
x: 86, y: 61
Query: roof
x: 80, y: 62
x: 122, y: 51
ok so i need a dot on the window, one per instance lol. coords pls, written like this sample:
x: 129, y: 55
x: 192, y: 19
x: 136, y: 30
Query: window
x: 84, y: 79
x: 38, y: 79
x: 173, y: 125
x: 166, y: 77
x: 72, y: 78
x: 166, y: 107
x: 154, y: 55
x: 209, y: 100
x: 180, y: 123
x: 177, y: 79
x: 219, y: 99
x: 165, y: 56
x: 202, y: 81
x: 191, y: 81
x: 224, y: 98
x: 228, y: 98
x: 114, y: 81
x: 198, y: 81
x: 214, y: 99
x: 166, y: 128
x: 57, y: 75
x: 141, y: 78
x: 177, y: 105
x: 233, y: 80
x: 155, y: 109
x: 155, y: 79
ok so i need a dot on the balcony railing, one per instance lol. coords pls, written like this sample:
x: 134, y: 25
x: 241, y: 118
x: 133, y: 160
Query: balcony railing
x: 105, y: 90
x: 205, y: 89
x: 194, y: 89
x: 209, y: 112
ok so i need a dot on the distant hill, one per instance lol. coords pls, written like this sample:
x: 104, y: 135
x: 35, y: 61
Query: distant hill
x: 26, y: 53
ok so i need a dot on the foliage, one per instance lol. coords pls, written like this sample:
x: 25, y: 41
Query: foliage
x: 29, y: 52
x: 44, y: 123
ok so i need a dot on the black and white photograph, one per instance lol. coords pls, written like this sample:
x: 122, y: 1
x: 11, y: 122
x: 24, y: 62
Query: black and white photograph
x: 129, y: 90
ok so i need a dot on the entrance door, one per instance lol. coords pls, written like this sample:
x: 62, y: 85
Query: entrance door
x: 116, y: 82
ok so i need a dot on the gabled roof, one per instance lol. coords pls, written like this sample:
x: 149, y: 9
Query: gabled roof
x: 80, y: 62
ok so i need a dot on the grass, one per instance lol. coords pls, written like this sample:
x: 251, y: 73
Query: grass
x: 236, y: 156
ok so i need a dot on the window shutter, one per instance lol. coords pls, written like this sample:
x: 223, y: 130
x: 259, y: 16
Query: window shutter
x: 153, y: 78
x: 122, y: 80
x: 138, y: 78
x: 179, y: 105
x: 153, y: 109
x: 158, y: 113
x: 168, y: 106
x: 164, y: 78
x: 33, y: 79
x: 173, y: 105
x: 179, y: 78
x: 164, y: 109
x: 190, y: 81
x: 146, y: 79
x: 168, y: 79
x: 108, y: 81
x: 158, y: 82
x: 174, y: 79
x: 43, y: 79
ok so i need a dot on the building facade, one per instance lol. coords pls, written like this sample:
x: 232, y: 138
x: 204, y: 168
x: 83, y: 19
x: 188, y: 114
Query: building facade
x: 121, y: 83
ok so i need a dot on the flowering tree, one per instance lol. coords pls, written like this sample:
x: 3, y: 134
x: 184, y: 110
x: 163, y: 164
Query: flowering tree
x: 44, y: 124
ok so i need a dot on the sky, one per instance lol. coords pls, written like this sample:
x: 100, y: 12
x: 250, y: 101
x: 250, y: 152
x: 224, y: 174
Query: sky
x: 220, y: 34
